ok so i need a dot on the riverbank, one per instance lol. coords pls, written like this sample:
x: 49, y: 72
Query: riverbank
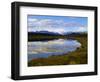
x: 77, y: 57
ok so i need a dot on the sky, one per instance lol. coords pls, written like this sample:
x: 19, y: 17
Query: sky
x: 59, y: 24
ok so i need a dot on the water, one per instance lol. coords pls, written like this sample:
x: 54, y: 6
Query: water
x: 44, y: 49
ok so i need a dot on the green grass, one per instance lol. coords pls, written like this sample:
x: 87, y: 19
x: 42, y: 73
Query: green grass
x: 76, y: 57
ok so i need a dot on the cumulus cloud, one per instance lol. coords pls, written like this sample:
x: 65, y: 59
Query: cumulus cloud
x: 81, y: 29
x: 59, y: 26
x: 73, y: 24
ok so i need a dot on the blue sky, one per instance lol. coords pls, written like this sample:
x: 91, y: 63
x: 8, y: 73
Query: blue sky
x: 58, y: 24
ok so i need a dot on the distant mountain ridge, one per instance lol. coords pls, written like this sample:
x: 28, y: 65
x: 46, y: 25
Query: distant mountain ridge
x: 45, y: 32
x: 55, y: 33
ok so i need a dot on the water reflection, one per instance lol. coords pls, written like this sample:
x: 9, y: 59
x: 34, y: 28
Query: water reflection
x: 43, y: 49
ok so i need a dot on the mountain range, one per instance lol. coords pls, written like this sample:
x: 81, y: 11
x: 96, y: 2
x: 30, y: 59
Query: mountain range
x: 55, y: 33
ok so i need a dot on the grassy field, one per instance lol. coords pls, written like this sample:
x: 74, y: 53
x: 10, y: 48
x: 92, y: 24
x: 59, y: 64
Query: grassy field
x: 76, y: 57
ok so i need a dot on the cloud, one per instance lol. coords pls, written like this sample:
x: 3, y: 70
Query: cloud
x: 32, y: 20
x: 52, y: 25
x: 73, y: 24
x: 46, y: 22
x: 81, y: 29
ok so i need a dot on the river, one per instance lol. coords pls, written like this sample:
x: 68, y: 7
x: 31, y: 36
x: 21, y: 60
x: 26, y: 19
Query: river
x: 44, y: 49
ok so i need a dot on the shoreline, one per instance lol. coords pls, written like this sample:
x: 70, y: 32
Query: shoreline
x: 76, y: 57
